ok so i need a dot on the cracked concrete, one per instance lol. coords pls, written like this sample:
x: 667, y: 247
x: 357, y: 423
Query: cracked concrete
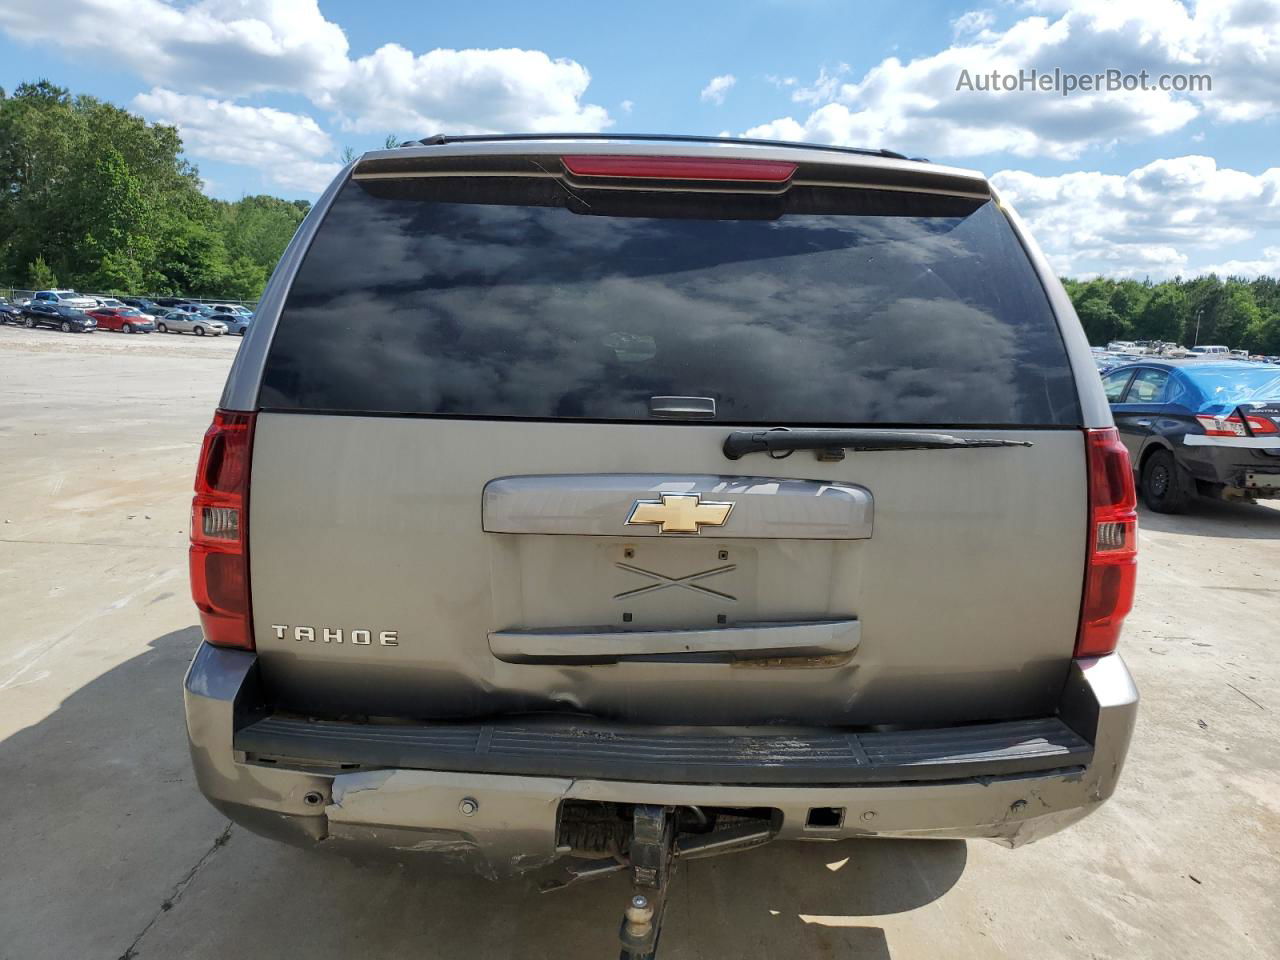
x: 175, y: 894
x: 101, y: 825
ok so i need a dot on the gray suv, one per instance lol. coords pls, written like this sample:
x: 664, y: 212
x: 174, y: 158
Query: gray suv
x: 580, y: 503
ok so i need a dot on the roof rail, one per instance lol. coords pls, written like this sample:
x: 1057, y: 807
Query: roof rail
x: 440, y: 139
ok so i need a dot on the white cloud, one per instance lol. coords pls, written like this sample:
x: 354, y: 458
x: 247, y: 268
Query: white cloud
x: 915, y: 106
x: 824, y: 88
x: 289, y: 148
x: 972, y: 21
x: 463, y: 91
x: 234, y: 48
x: 1268, y: 265
x: 1168, y: 217
x: 626, y: 106
x: 718, y: 88
x: 255, y: 45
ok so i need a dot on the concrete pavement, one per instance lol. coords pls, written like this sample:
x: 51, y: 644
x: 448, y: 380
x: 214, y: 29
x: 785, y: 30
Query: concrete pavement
x: 107, y: 849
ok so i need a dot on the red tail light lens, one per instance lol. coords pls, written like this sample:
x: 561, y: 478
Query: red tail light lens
x: 219, y: 532
x: 1237, y: 425
x: 1112, y: 567
x: 679, y: 168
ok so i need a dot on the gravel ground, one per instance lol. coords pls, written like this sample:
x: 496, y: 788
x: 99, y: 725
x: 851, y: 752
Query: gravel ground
x: 19, y: 340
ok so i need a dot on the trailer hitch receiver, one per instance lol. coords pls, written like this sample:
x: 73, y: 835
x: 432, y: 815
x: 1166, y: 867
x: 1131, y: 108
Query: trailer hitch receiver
x: 653, y: 847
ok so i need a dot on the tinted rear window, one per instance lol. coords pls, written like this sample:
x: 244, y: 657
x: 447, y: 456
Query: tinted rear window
x: 515, y: 297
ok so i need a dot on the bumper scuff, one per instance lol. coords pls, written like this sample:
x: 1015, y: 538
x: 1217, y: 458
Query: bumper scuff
x: 510, y: 823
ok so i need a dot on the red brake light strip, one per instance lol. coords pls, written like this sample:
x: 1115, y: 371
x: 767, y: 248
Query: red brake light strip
x: 678, y: 168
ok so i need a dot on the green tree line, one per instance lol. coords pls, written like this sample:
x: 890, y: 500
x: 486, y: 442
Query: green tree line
x: 94, y: 197
x: 1240, y: 314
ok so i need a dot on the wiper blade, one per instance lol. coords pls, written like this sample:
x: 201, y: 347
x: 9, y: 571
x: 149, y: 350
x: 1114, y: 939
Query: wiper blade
x: 831, y: 444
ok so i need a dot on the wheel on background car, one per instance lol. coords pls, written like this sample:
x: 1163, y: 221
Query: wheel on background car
x: 31, y: 323
x: 162, y: 328
x: 1166, y: 487
x: 66, y: 327
x: 199, y: 331
x: 127, y: 328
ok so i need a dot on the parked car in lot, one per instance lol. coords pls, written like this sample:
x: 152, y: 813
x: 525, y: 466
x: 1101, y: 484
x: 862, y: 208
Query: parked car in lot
x: 1106, y: 363
x: 237, y: 324
x: 142, y: 303
x: 61, y: 309
x: 102, y: 300
x: 66, y: 321
x: 181, y: 320
x: 236, y: 317
x: 9, y: 312
x: 1217, y: 351
x: 123, y: 319
x: 64, y: 298
x: 812, y: 564
x: 1199, y: 428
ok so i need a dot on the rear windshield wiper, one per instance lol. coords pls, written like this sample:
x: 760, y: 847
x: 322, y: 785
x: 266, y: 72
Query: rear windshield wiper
x: 831, y: 444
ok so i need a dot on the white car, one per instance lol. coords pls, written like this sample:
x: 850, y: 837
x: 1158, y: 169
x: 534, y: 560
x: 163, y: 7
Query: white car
x: 106, y: 301
x: 190, y: 321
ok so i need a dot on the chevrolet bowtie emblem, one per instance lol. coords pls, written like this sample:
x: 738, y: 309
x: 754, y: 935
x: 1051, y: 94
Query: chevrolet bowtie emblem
x: 680, y: 513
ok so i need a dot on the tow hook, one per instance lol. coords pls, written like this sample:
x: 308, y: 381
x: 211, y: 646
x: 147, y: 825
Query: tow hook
x: 650, y: 847
x: 653, y: 847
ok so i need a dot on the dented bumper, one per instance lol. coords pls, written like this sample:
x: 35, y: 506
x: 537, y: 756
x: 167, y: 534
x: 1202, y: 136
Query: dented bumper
x: 507, y: 823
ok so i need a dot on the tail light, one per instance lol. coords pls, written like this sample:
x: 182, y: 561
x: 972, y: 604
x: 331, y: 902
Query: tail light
x: 1237, y: 425
x: 220, y: 533
x: 1112, y: 567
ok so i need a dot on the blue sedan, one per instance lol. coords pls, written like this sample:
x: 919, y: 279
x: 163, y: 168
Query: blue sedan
x: 1198, y: 428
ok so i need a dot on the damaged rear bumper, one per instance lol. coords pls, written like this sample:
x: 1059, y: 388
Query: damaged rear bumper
x: 501, y: 814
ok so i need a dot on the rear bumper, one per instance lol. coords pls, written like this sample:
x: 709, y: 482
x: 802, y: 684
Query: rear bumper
x: 1249, y: 465
x: 397, y: 791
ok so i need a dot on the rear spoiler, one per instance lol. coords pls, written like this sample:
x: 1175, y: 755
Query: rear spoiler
x: 545, y: 158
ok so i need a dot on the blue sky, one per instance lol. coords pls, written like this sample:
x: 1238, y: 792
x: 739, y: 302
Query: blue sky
x: 267, y: 93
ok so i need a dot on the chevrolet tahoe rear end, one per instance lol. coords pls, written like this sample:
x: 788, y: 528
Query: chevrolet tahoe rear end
x: 560, y: 479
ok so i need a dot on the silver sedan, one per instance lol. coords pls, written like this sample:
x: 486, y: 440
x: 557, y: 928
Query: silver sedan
x: 190, y: 321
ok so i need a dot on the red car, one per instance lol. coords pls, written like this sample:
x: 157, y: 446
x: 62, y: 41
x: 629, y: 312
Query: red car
x: 123, y: 319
